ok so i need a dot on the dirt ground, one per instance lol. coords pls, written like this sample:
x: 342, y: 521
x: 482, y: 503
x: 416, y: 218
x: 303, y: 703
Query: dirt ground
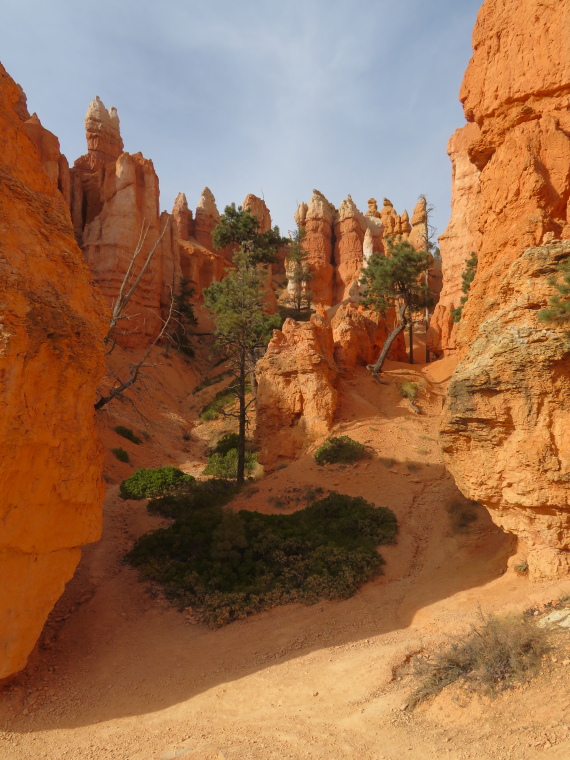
x: 121, y: 674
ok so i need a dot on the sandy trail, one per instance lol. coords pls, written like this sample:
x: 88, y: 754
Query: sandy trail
x: 121, y: 674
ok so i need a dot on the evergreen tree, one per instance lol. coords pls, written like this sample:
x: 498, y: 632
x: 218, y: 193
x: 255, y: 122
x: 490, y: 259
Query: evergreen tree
x: 240, y: 227
x: 299, y: 273
x: 241, y: 327
x: 396, y: 280
x: 466, y: 280
x: 558, y: 310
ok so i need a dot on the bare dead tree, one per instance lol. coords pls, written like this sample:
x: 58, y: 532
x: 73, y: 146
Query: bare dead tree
x: 128, y: 288
x: 135, y: 369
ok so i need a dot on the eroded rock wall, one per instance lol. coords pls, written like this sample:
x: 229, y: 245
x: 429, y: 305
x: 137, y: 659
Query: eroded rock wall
x: 461, y: 238
x: 296, y: 396
x: 505, y: 421
x: 51, y: 359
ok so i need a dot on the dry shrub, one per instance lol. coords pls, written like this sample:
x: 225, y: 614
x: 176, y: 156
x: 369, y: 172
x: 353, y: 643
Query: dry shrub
x: 462, y: 514
x: 498, y: 654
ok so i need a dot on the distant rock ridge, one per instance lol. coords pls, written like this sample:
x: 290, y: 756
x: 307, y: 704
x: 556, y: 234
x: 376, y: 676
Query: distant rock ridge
x: 339, y: 241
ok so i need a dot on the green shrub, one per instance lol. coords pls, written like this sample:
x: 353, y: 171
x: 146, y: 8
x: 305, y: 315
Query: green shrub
x: 121, y: 455
x: 127, y: 433
x: 200, y: 495
x: 226, y: 443
x: 341, y: 449
x: 213, y: 409
x: 146, y: 483
x: 225, y: 465
x: 232, y: 564
x: 409, y: 390
x: 498, y: 653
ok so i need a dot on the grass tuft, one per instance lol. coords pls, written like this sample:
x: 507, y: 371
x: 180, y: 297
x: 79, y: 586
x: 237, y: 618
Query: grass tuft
x: 497, y: 654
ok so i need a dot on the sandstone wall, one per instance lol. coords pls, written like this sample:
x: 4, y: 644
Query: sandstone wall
x: 296, y: 396
x: 461, y: 238
x: 505, y: 431
x: 51, y: 359
x: 505, y: 420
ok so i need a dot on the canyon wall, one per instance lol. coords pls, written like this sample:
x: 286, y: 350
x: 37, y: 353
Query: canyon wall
x: 505, y: 420
x: 461, y: 238
x: 51, y: 359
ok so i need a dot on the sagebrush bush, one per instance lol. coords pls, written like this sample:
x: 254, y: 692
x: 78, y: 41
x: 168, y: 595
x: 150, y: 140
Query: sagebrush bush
x: 225, y: 465
x: 496, y: 655
x: 231, y: 564
x: 127, y: 433
x: 341, y: 449
x: 146, y: 483
x: 409, y: 390
x: 121, y: 454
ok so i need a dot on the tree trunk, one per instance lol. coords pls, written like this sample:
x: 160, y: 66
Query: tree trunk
x: 411, y: 337
x: 376, y: 368
x: 242, y: 421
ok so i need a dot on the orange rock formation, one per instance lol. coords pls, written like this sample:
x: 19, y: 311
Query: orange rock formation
x: 505, y: 421
x: 505, y: 432
x: 296, y: 395
x: 51, y: 358
x: 460, y: 239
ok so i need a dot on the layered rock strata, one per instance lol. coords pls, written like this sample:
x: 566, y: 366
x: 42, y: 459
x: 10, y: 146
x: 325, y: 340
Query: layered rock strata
x: 461, y: 238
x: 296, y: 395
x: 504, y: 429
x: 51, y: 359
x: 115, y: 210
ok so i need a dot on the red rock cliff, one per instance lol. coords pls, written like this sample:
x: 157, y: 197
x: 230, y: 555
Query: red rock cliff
x: 51, y: 359
x: 505, y: 421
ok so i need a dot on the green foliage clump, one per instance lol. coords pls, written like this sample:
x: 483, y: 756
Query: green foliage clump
x: 240, y: 227
x: 183, y: 318
x: 225, y: 465
x: 147, y: 483
x: 227, y: 442
x: 409, y: 390
x: 466, y: 279
x: 233, y: 564
x: 127, y: 433
x: 121, y: 454
x: 558, y: 310
x: 197, y: 496
x: 299, y: 275
x: 498, y: 654
x: 214, y: 408
x: 341, y: 449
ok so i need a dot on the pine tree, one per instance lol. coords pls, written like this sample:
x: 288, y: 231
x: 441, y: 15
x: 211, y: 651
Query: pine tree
x: 299, y: 273
x: 242, y: 326
x: 466, y: 279
x: 183, y: 318
x: 240, y: 227
x: 396, y: 280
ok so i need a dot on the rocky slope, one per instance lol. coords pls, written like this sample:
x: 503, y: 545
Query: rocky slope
x: 51, y: 359
x: 504, y: 422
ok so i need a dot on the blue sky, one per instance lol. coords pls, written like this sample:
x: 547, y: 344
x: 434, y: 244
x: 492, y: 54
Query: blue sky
x: 272, y: 98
